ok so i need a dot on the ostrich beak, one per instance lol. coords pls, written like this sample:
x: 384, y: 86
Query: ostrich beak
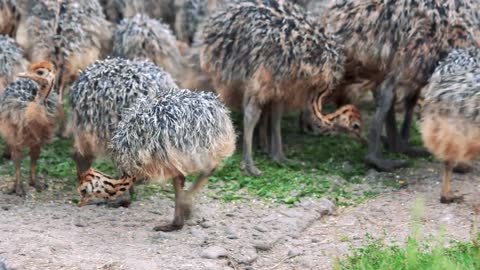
x: 23, y: 75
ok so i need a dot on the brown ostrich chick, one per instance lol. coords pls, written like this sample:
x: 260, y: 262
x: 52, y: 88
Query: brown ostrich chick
x: 450, y: 120
x: 27, y: 117
x: 268, y: 57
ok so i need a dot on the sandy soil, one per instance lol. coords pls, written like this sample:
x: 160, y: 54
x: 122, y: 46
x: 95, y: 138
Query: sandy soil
x: 50, y: 233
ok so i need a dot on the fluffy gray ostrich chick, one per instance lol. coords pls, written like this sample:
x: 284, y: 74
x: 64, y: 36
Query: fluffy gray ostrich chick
x: 27, y: 117
x: 100, y: 97
x: 9, y: 17
x: 397, y: 44
x: 451, y: 115
x: 141, y: 37
x: 170, y: 136
x: 269, y: 54
x: 72, y: 34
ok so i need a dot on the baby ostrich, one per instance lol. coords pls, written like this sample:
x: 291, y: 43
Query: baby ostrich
x: 143, y: 37
x: 9, y: 17
x: 27, y: 117
x: 397, y: 44
x: 171, y: 136
x: 450, y: 125
x: 269, y: 54
x: 11, y: 63
x: 73, y: 34
x: 100, y: 97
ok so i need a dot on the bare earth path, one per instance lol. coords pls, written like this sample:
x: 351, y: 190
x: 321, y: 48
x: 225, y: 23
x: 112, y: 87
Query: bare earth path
x: 249, y: 234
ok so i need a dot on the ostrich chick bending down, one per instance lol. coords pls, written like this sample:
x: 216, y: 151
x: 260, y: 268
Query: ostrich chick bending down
x: 451, y: 121
x: 175, y: 134
x: 268, y: 56
x: 27, y: 117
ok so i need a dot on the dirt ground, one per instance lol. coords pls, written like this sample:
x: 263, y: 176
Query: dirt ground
x: 52, y: 233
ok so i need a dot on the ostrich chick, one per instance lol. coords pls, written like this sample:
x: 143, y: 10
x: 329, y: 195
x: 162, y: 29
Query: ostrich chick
x: 450, y: 120
x: 100, y: 97
x: 27, y: 117
x: 270, y: 57
x: 171, y: 136
x: 397, y: 44
x: 141, y: 37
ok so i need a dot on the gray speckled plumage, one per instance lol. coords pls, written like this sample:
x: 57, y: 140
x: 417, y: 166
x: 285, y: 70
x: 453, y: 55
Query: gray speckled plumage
x: 37, y: 30
x: 17, y: 96
x: 81, y: 25
x: 143, y: 37
x: 11, y: 61
x: 454, y: 88
x: 105, y: 89
x: 192, y: 13
x: 117, y: 10
x: 238, y: 41
x: 177, y: 123
x: 53, y: 28
x: 404, y: 37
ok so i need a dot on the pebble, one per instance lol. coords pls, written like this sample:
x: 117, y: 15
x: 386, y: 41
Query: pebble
x: 162, y: 236
x: 6, y: 208
x: 231, y: 232
x: 260, y: 228
x: 80, y: 224
x: 206, y: 224
x: 245, y: 255
x: 198, y: 233
x: 214, y: 252
x: 294, y: 252
x: 262, y: 245
x: 326, y: 207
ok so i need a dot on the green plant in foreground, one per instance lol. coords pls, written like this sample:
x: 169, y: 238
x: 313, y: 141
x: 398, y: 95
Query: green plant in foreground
x: 416, y: 254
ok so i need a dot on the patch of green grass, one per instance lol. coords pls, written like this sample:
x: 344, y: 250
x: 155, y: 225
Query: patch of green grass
x: 417, y: 253
x: 323, y: 158
x: 414, y: 255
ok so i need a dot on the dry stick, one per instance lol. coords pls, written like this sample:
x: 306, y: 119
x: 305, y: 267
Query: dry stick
x: 282, y: 261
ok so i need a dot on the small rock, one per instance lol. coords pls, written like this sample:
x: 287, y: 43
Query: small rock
x: 231, y: 232
x: 262, y: 245
x: 245, y: 255
x: 206, y: 224
x: 198, y: 233
x: 294, y: 252
x: 80, y: 224
x: 260, y: 228
x: 162, y: 236
x: 326, y: 207
x: 5, y: 207
x: 214, y: 252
